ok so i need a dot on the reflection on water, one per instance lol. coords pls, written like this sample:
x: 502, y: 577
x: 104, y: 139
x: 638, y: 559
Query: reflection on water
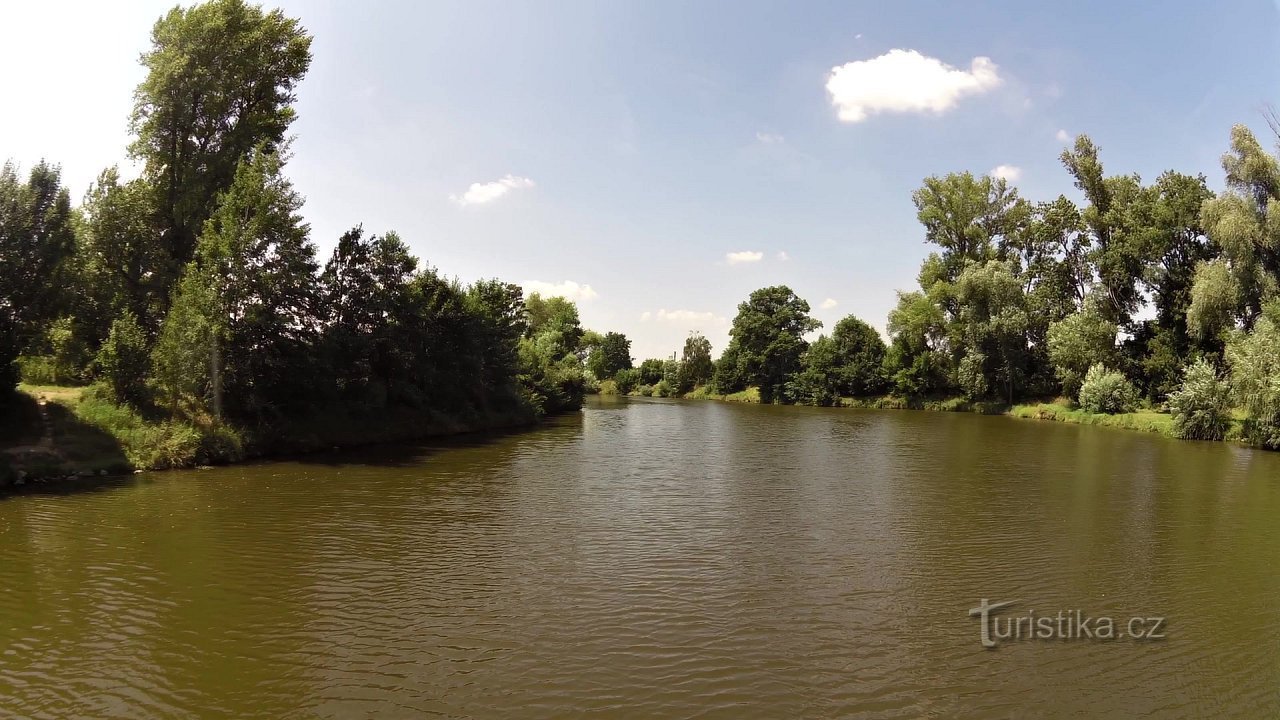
x: 657, y: 558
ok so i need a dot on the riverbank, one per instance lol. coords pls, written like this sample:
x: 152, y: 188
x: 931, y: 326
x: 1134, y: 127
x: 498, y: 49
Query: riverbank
x: 1057, y: 410
x: 61, y: 433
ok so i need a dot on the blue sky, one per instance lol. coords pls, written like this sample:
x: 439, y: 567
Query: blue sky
x: 634, y: 148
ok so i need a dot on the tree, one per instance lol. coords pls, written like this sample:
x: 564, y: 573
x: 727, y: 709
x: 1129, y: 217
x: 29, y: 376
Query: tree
x: 1106, y: 391
x: 611, y: 355
x: 1201, y: 407
x: 818, y: 382
x: 1245, y: 223
x: 767, y: 338
x: 859, y: 357
x: 1117, y: 247
x: 550, y: 367
x: 973, y: 219
x: 917, y: 362
x: 127, y: 268
x: 124, y: 361
x: 651, y: 371
x: 1077, y: 343
x: 1254, y: 358
x: 261, y: 267
x: 37, y: 240
x: 990, y: 329
x: 220, y: 85
x: 696, y: 365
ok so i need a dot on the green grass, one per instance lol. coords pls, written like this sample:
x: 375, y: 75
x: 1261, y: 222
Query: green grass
x: 750, y: 395
x: 1143, y: 420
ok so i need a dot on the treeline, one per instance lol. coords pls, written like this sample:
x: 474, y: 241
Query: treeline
x: 1159, y: 294
x: 194, y: 294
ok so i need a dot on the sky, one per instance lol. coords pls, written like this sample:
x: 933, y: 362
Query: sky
x: 657, y: 161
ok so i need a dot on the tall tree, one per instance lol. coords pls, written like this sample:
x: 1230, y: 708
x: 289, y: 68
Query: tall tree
x: 768, y: 339
x: 262, y: 268
x: 612, y: 354
x: 696, y: 365
x: 37, y: 239
x: 221, y: 81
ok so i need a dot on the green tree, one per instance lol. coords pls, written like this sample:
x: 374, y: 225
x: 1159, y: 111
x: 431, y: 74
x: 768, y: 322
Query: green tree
x: 1201, y: 407
x: 612, y: 354
x: 818, y: 381
x: 696, y: 365
x: 1106, y: 391
x: 37, y: 240
x: 124, y: 360
x: 990, y: 329
x: 125, y: 265
x: 221, y: 81
x: 262, y: 269
x: 859, y: 353
x: 1254, y: 358
x: 768, y: 339
x: 1245, y: 223
x: 1077, y: 343
x: 651, y: 371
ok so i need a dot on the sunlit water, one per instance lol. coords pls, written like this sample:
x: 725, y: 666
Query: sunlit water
x: 657, y: 559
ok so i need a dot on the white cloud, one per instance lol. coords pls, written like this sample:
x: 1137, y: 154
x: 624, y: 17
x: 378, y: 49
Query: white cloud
x: 905, y: 81
x: 744, y: 256
x: 685, y: 318
x: 568, y: 289
x: 858, y: 36
x: 1063, y: 136
x: 1008, y: 172
x: 828, y: 304
x: 481, y: 193
x: 783, y: 256
x: 770, y: 138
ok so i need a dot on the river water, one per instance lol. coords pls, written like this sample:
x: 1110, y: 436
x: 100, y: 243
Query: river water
x: 648, y: 558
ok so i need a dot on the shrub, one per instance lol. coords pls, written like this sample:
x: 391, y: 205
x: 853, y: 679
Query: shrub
x: 608, y: 387
x: 1107, y: 392
x: 1201, y: 407
x: 124, y: 360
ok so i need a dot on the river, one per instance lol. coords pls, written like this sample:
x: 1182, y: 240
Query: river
x: 651, y: 558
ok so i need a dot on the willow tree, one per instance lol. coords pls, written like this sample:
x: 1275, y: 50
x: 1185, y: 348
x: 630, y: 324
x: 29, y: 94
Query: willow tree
x: 1245, y: 223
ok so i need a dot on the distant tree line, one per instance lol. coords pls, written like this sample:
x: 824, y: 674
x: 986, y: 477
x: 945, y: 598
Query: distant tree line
x: 1157, y: 293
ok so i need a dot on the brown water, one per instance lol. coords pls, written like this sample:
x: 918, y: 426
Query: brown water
x: 658, y: 559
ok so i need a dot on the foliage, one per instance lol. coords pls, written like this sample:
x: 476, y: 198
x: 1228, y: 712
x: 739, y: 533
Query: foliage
x: 220, y: 85
x: 1077, y: 343
x: 36, y: 242
x: 1106, y: 392
x: 1201, y: 408
x: 767, y: 340
x: 123, y: 361
x: 696, y: 365
x: 612, y: 354
x: 1254, y: 358
x: 651, y: 371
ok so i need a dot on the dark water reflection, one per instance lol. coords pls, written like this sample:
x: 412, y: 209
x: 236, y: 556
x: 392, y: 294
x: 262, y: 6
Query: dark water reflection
x: 658, y: 559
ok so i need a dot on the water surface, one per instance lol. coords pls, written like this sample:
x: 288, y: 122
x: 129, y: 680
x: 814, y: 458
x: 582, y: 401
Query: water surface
x: 657, y: 559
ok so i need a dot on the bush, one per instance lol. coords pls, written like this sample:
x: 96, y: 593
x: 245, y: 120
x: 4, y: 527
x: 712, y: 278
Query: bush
x: 1107, y: 392
x: 124, y: 360
x: 1201, y: 407
x: 608, y: 387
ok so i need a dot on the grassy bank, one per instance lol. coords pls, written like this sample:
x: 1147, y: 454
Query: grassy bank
x: 59, y: 432
x: 1144, y: 420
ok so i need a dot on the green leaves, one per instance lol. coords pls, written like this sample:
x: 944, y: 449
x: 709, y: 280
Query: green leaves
x: 221, y: 81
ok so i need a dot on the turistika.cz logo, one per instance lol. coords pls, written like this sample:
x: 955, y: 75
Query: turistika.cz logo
x: 1064, y: 625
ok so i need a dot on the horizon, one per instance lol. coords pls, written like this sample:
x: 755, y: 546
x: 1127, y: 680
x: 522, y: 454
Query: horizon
x: 635, y: 148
